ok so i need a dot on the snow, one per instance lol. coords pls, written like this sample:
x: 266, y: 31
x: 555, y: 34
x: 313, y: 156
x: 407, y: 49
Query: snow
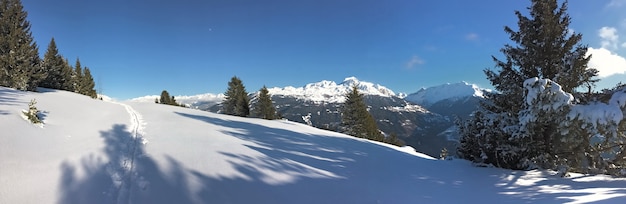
x: 93, y: 151
x: 331, y: 92
x: 602, y: 113
x: 190, y: 101
x: 431, y: 95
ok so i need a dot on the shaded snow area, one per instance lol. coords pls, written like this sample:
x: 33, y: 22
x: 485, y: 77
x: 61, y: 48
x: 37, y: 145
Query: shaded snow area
x: 331, y: 92
x: 431, y: 95
x: 92, y: 151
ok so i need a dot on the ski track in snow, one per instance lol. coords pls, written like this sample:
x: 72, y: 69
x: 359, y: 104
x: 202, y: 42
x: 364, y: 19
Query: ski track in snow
x: 136, y: 126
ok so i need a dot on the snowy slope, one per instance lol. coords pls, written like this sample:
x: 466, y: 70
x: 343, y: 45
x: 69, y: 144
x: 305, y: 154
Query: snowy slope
x: 193, y: 101
x: 431, y: 95
x: 91, y: 151
x: 331, y: 92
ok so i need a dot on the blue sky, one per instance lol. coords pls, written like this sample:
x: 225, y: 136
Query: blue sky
x: 136, y: 48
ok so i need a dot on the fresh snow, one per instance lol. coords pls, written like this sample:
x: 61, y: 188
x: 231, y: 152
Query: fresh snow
x: 93, y: 151
x: 189, y: 101
x: 331, y: 92
x: 431, y: 95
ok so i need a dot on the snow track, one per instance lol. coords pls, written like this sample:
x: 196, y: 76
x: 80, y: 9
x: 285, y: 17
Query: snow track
x: 136, y: 126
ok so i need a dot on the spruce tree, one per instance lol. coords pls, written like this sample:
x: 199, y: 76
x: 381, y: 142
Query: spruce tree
x: 546, y: 49
x: 236, y: 101
x: 77, y: 77
x: 19, y: 55
x: 58, y: 72
x: 355, y: 118
x: 165, y: 97
x: 87, y: 84
x: 264, y: 107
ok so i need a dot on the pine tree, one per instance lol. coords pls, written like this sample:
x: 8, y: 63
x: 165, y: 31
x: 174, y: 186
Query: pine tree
x: 165, y: 97
x: 87, y: 84
x: 545, y: 49
x: 356, y: 120
x: 265, y: 107
x: 58, y: 72
x: 77, y: 77
x: 19, y: 56
x: 236, y: 100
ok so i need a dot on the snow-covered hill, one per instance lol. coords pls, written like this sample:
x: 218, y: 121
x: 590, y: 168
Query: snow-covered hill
x: 331, y: 92
x: 195, y: 101
x: 455, y: 91
x: 92, y: 151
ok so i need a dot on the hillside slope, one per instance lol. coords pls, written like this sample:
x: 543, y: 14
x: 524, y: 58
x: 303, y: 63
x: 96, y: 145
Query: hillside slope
x: 92, y: 151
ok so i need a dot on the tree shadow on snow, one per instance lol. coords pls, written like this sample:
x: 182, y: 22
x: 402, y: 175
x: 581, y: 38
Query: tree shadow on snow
x: 292, y: 167
x: 297, y: 167
x: 113, y: 180
x: 9, y: 97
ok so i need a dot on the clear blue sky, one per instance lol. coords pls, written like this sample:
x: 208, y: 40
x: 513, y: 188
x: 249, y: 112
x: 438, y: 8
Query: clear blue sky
x: 140, y: 47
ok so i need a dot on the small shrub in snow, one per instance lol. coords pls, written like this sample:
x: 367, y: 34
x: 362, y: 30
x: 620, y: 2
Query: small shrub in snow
x: 32, y: 114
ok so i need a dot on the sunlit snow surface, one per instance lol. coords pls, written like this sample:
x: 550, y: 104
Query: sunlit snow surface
x: 451, y: 91
x: 92, y: 151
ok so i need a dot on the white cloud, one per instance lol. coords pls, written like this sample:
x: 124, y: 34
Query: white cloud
x: 609, y: 37
x: 471, y: 37
x: 606, y: 62
x: 616, y: 3
x: 624, y: 45
x: 415, y: 60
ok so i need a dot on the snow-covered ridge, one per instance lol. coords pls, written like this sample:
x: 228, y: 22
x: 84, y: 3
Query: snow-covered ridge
x: 187, y: 100
x: 426, y: 96
x: 330, y: 91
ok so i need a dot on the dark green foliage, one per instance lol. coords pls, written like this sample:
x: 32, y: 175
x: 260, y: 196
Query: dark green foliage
x: 356, y: 120
x: 87, y: 85
x: 544, y: 49
x: 236, y: 100
x: 77, y: 77
x: 167, y: 99
x: 264, y: 107
x: 394, y: 140
x: 19, y: 56
x: 58, y: 71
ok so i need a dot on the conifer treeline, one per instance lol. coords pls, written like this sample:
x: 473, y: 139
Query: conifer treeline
x: 20, y: 65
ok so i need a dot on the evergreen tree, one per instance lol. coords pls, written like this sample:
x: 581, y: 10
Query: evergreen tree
x: 77, y: 77
x: 236, y: 100
x: 58, y: 72
x: 19, y: 56
x: 87, y: 84
x: 356, y: 120
x: 265, y: 107
x: 545, y: 49
x: 165, y: 97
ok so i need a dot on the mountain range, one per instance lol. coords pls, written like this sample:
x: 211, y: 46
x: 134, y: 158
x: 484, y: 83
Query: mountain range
x: 424, y: 119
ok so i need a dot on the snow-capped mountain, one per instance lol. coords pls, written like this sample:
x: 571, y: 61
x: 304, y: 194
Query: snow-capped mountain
x: 331, y: 92
x: 200, y: 101
x: 454, y: 91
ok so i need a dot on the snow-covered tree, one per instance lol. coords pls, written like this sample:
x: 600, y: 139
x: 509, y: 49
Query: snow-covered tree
x: 545, y: 48
x: 33, y: 113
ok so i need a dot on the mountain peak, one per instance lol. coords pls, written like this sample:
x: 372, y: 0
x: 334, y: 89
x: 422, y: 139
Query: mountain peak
x: 430, y: 95
x: 330, y: 91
